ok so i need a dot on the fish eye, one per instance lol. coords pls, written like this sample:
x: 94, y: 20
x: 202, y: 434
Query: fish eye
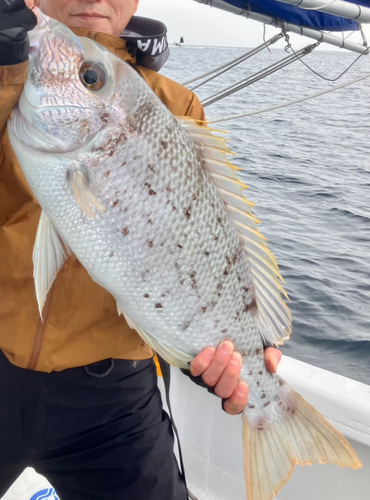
x: 92, y: 75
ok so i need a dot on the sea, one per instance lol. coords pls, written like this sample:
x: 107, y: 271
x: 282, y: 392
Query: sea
x: 308, y: 170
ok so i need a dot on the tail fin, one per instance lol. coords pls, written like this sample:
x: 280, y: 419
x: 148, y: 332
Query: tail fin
x: 300, y: 435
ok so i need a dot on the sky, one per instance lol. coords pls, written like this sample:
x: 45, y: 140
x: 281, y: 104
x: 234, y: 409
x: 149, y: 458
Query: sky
x: 202, y: 25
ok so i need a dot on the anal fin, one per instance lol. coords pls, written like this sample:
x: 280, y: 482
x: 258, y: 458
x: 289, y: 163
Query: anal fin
x: 170, y: 354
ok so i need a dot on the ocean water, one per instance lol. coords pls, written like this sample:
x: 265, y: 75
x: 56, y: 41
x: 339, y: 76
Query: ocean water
x: 308, y: 171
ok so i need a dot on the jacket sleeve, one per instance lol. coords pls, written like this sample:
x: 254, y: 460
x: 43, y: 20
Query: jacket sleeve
x: 12, y: 80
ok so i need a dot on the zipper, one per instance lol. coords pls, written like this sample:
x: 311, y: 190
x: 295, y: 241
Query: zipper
x: 40, y: 331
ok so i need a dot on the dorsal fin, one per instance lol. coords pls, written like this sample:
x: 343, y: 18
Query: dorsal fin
x: 273, y: 315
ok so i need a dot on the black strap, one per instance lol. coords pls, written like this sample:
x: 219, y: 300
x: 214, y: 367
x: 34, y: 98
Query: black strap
x: 166, y: 373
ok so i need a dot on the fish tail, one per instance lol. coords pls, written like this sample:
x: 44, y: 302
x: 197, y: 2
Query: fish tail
x: 294, y: 433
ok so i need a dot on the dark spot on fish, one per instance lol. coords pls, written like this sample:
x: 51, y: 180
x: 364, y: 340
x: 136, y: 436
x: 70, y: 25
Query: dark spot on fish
x: 174, y: 208
x: 252, y: 306
x: 182, y: 282
x: 194, y: 197
x: 151, y: 167
x: 168, y: 202
x: 104, y: 117
x: 150, y: 221
x: 216, y: 238
x: 168, y: 189
x: 219, y: 286
x: 123, y: 164
x: 258, y: 352
x: 206, y: 254
x: 125, y: 231
x: 163, y: 295
x: 251, y: 406
x: 188, y: 213
x: 204, y: 309
x: 151, y: 192
x: 148, y: 185
x: 125, y: 209
x: 226, y: 272
x: 193, y: 274
x: 176, y: 265
x: 164, y: 144
x: 135, y: 157
x: 246, y: 289
x: 107, y: 173
x: 115, y: 203
x: 263, y: 395
x: 111, y: 254
x: 179, y: 246
x: 158, y: 306
x: 258, y: 383
x: 228, y: 260
x: 224, y: 330
x: 217, y: 322
x: 185, y: 326
x: 260, y: 372
x: 250, y: 373
x: 146, y: 295
x: 219, y: 220
x: 281, y: 382
x: 150, y: 244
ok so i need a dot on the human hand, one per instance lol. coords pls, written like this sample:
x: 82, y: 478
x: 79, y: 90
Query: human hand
x: 16, y: 19
x: 220, y: 368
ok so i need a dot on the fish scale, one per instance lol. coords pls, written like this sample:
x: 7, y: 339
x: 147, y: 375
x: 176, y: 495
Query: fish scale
x: 154, y: 211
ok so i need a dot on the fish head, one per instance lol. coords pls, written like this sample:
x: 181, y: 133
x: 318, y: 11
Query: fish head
x: 75, y: 89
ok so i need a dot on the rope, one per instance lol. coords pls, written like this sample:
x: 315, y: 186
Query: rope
x: 226, y: 67
x: 257, y: 76
x: 366, y: 51
x: 289, y: 103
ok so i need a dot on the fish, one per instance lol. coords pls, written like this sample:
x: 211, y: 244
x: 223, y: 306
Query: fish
x: 153, y: 209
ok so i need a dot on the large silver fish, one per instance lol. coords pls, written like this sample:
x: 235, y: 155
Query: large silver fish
x: 154, y: 211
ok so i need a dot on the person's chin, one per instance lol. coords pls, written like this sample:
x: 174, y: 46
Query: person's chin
x: 93, y: 23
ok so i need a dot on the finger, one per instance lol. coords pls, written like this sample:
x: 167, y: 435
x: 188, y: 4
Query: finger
x: 272, y: 359
x: 202, y: 361
x: 238, y: 400
x: 218, y: 364
x: 230, y: 377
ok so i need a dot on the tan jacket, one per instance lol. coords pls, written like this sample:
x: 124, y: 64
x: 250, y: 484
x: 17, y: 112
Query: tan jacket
x: 81, y: 324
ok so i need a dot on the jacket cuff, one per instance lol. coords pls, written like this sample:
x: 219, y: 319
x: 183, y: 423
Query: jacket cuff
x: 14, y: 51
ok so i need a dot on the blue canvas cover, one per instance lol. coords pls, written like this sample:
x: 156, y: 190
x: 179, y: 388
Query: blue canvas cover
x: 301, y: 17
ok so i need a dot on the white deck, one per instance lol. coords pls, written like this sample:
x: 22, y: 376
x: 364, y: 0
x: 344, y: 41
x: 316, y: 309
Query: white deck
x: 211, y: 441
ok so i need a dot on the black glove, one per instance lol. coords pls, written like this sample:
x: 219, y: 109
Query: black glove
x: 15, y: 21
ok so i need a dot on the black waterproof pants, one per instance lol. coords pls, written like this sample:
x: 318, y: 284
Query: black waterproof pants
x: 96, y: 433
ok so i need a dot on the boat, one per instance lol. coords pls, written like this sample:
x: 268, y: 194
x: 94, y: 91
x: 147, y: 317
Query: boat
x: 177, y: 44
x: 210, y: 439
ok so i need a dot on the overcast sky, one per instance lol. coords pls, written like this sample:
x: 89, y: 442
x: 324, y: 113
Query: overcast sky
x: 202, y: 25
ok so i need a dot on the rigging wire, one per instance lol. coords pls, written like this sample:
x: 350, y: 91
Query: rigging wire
x: 221, y: 94
x: 366, y: 51
x: 226, y: 67
x: 289, y: 103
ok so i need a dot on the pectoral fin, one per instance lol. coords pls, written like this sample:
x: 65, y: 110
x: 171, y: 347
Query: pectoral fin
x: 49, y: 253
x: 85, y: 198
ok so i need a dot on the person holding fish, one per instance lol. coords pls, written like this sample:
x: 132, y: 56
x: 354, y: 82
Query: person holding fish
x: 82, y: 349
x: 78, y: 383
